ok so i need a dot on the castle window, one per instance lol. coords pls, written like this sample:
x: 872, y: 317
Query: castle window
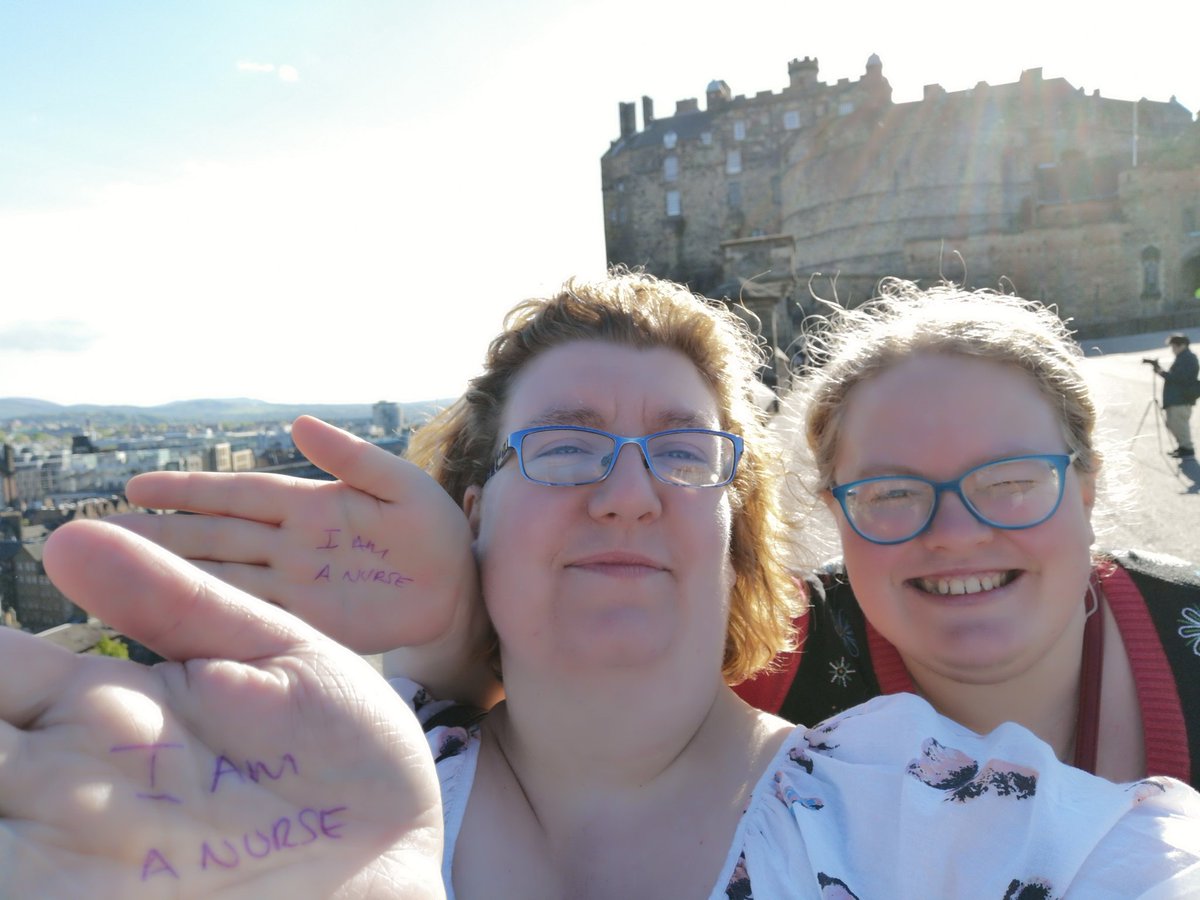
x: 733, y: 162
x: 670, y: 139
x: 671, y: 168
x: 733, y: 195
x: 706, y: 138
x: 791, y: 120
x: 739, y: 130
x: 673, y: 207
x: 1150, y: 265
x: 845, y: 108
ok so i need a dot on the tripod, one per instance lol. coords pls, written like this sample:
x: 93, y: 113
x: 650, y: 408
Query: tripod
x: 1153, y: 404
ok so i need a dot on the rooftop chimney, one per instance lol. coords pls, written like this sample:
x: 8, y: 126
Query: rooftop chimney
x: 647, y: 111
x: 628, y: 119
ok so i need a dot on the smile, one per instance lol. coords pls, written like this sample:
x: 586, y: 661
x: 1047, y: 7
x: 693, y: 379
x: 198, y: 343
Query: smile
x: 964, y: 584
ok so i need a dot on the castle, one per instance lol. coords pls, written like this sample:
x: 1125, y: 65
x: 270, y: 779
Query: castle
x: 1036, y: 187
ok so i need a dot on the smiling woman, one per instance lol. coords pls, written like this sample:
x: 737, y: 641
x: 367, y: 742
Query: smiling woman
x: 953, y: 436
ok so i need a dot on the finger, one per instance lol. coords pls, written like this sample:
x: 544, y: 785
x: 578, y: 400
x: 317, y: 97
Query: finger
x: 34, y: 672
x: 204, y: 537
x: 258, y: 496
x: 156, y: 598
x: 356, y: 462
x: 260, y: 582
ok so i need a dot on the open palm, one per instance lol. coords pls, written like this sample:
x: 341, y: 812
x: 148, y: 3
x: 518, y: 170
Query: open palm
x: 379, y: 559
x: 263, y: 761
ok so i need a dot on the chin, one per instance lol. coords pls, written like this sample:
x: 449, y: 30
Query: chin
x: 624, y: 644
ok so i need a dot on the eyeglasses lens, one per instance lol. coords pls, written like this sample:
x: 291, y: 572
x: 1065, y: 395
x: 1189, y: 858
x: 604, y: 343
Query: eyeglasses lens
x: 1015, y: 493
x: 691, y: 457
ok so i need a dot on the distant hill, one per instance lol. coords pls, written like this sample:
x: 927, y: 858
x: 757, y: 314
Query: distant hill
x: 239, y: 409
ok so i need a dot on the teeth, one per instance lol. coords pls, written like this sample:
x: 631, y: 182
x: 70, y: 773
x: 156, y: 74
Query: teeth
x: 969, y: 584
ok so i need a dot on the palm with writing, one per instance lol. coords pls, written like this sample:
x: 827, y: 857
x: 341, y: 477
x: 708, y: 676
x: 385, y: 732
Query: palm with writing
x: 265, y: 760
x: 379, y: 559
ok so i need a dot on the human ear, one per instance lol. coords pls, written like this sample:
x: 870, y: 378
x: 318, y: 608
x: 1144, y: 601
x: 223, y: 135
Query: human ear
x: 827, y: 499
x: 472, y: 506
x: 1087, y: 493
x: 1087, y: 487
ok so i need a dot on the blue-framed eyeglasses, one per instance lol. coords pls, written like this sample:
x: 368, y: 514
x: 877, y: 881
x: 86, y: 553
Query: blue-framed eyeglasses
x: 570, y: 455
x: 1011, y: 493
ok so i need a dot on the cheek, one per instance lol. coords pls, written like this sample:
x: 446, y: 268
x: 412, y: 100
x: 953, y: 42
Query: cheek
x: 866, y: 562
x: 874, y: 574
x: 1062, y: 545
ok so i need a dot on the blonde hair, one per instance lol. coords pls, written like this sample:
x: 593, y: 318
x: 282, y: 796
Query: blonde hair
x: 634, y: 309
x: 904, y: 319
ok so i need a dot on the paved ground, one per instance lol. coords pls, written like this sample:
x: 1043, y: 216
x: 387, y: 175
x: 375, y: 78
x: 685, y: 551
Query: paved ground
x: 1164, y: 514
x: 1156, y: 501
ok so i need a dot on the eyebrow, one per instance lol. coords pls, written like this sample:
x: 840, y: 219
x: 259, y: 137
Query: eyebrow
x: 587, y: 417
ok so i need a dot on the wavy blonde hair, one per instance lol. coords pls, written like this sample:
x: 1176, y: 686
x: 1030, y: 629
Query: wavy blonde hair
x: 458, y: 446
x: 904, y: 319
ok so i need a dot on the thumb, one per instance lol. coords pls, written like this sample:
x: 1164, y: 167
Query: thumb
x: 358, y: 463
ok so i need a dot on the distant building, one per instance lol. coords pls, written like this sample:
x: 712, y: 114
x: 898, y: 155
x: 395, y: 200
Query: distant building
x: 242, y: 460
x: 386, y: 418
x: 1087, y: 202
x: 219, y: 457
x: 37, y: 603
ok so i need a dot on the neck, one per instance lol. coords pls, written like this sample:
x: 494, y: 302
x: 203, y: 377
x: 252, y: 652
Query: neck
x: 623, y: 727
x: 1043, y: 697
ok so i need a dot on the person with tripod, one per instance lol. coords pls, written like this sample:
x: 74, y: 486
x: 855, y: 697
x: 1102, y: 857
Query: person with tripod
x: 1180, y: 392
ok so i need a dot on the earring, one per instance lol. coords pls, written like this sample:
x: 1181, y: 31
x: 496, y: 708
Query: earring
x: 1093, y: 596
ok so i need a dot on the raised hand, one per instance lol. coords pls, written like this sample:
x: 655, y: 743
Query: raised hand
x: 266, y: 761
x: 377, y: 560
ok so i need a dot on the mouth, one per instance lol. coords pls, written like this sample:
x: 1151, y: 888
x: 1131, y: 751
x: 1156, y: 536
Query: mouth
x: 619, y: 564
x: 974, y: 583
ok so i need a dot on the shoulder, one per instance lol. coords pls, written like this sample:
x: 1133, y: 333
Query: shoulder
x: 987, y: 804
x: 1156, y: 570
x: 1168, y: 589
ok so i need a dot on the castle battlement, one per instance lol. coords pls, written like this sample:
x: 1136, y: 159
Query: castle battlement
x: 867, y: 187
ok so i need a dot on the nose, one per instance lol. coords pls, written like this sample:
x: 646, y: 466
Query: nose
x: 954, y: 525
x: 629, y: 492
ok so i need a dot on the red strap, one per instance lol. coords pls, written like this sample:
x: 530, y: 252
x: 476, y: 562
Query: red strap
x: 1087, y: 721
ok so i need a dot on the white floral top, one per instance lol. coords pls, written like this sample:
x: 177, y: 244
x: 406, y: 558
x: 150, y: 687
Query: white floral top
x: 891, y: 800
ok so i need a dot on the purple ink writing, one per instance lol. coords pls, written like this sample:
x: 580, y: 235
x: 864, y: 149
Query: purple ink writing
x: 361, y: 543
x: 156, y: 864
x: 329, y: 544
x: 308, y: 825
x: 254, y: 770
x: 208, y: 855
x: 152, y: 749
x: 285, y: 833
x: 381, y: 576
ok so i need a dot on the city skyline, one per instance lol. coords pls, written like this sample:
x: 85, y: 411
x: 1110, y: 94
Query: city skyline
x: 297, y: 203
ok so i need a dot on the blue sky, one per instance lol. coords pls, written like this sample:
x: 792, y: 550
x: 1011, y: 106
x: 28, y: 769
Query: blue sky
x: 308, y: 201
